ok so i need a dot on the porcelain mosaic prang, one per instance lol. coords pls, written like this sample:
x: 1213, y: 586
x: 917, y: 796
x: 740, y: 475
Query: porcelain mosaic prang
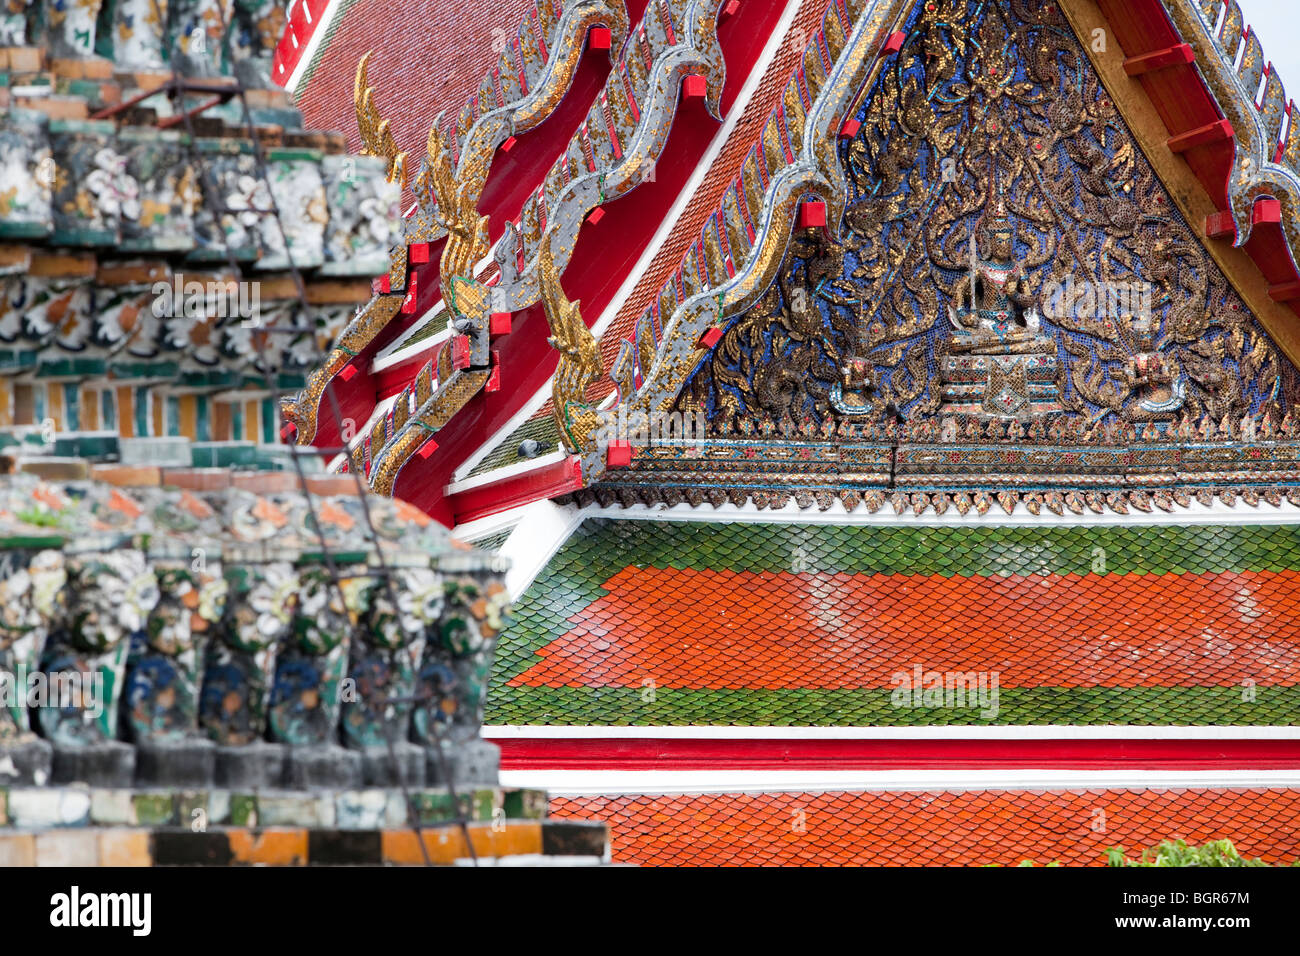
x: 295, y: 178
x: 70, y: 27
x: 364, y: 215
x: 27, y: 175
x: 92, y: 189
x: 136, y: 41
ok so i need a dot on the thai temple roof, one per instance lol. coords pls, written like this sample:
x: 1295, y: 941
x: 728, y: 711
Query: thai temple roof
x: 888, y: 411
x: 809, y: 625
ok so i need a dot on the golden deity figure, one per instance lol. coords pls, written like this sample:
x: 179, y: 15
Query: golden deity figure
x: 996, y: 362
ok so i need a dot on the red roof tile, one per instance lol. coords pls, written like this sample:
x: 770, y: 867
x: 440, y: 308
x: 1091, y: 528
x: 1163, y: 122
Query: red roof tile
x: 917, y: 828
x: 785, y: 630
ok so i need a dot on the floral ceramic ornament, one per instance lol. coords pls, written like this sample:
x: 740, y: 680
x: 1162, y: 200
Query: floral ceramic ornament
x: 324, y: 617
x: 364, y: 215
x: 196, y: 29
x: 256, y: 29
x: 420, y: 599
x: 111, y: 596
x: 31, y: 591
x: 169, y: 191
x: 299, y: 193
x: 27, y: 175
x: 13, y: 22
x: 265, y: 609
x: 137, y: 34
x: 71, y: 27
x: 91, y: 187
x: 232, y: 169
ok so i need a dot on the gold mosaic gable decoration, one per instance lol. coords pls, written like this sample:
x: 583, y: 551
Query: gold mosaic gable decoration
x: 580, y: 364
x: 1007, y: 254
x: 376, y: 133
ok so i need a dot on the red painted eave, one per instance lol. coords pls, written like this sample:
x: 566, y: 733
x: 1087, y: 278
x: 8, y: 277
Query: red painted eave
x: 546, y: 481
x: 1190, y: 114
x: 651, y: 753
x: 304, y: 20
x: 603, y: 255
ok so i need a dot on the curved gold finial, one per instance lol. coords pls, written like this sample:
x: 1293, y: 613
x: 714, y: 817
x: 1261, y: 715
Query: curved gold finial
x: 580, y: 364
x: 467, y: 231
x: 376, y: 135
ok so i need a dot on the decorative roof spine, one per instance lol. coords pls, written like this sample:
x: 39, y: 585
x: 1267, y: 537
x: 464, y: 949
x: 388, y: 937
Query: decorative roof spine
x: 1264, y: 164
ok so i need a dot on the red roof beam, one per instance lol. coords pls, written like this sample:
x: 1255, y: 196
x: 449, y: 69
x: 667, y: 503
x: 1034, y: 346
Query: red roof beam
x: 1179, y: 55
x: 1215, y: 132
x: 546, y: 481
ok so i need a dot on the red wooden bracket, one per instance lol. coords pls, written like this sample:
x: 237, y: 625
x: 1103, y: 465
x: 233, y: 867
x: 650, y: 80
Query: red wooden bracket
x: 596, y: 215
x: 893, y: 43
x: 1160, y: 59
x: 710, y: 338
x: 428, y: 448
x: 381, y: 285
x: 730, y: 9
x: 1220, y: 225
x: 508, y: 145
x: 1214, y: 132
x: 850, y: 129
x: 618, y: 454
x: 419, y: 253
x: 1265, y: 211
x: 598, y: 38
x: 812, y: 214
x: 500, y: 324
x: 347, y: 372
x: 695, y: 86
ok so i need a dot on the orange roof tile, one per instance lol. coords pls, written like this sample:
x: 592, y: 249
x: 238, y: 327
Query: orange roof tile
x: 918, y: 828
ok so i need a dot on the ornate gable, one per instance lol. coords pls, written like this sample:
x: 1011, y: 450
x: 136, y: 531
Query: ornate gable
x: 995, y: 115
x: 1012, y: 281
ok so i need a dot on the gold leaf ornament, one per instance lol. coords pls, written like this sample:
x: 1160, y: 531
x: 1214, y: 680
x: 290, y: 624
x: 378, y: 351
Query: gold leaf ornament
x: 376, y: 134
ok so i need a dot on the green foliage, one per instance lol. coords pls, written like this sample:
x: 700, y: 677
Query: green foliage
x: 1174, y: 853
x: 1028, y: 863
x: 1178, y: 853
